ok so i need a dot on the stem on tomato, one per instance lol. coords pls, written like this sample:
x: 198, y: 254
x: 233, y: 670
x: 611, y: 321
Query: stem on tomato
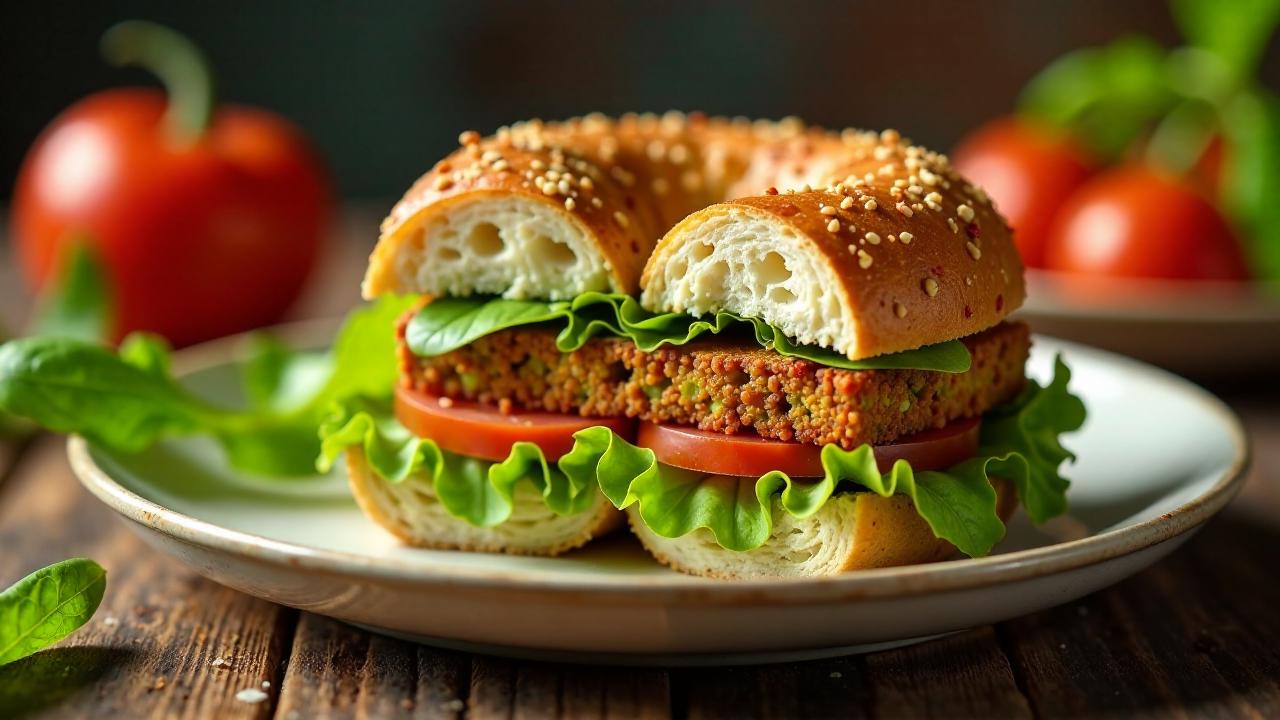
x: 178, y: 63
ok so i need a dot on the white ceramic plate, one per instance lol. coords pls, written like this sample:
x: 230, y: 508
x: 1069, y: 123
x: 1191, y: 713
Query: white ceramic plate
x: 1158, y: 457
x: 1197, y: 328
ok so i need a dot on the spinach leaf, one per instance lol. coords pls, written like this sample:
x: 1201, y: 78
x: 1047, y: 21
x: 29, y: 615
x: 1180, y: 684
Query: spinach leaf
x: 451, y: 323
x: 48, y: 605
x: 79, y: 303
x: 128, y: 401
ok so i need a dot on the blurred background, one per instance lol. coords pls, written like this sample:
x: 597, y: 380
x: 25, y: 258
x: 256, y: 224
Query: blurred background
x: 381, y: 90
x: 384, y: 88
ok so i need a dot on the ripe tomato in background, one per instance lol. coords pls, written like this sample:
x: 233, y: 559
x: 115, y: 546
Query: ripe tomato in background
x: 207, y: 221
x: 1132, y: 221
x: 1029, y: 171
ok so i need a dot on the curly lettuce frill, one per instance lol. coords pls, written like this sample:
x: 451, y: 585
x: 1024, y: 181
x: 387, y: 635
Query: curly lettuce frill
x: 1019, y: 442
x: 450, y: 323
x: 477, y: 491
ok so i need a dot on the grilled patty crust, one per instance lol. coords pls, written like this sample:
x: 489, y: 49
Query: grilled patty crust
x: 723, y: 386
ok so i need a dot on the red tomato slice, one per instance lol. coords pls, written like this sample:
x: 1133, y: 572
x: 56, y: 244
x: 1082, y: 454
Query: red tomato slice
x: 752, y: 456
x: 480, y: 431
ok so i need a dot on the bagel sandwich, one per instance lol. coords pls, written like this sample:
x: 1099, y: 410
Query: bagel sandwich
x: 809, y: 372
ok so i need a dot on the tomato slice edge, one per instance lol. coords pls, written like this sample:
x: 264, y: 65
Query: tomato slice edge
x: 470, y: 428
x: 752, y: 456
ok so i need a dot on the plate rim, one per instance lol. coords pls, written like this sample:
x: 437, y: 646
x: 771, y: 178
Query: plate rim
x: 883, y: 583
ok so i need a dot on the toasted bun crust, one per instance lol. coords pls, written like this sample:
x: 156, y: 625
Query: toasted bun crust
x: 851, y: 532
x: 410, y: 511
x: 551, y: 210
x: 895, y: 253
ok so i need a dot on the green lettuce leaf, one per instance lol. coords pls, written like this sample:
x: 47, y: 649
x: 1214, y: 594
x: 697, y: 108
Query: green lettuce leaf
x: 48, y: 605
x: 477, y: 491
x: 1019, y: 442
x: 128, y: 400
x: 450, y: 323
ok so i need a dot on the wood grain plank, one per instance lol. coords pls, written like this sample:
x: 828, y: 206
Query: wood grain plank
x: 149, y: 651
x: 337, y: 671
x: 816, y: 689
x: 961, y: 676
x: 1197, y: 635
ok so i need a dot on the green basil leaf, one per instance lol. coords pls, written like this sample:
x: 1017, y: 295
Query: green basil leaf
x: 127, y: 402
x: 48, y: 605
x: 278, y: 378
x: 72, y: 386
x: 1107, y: 95
x: 451, y: 323
x: 146, y: 352
x: 364, y: 352
x: 457, y: 321
x: 1251, y: 127
x: 78, y: 305
x: 1236, y: 32
x: 477, y: 491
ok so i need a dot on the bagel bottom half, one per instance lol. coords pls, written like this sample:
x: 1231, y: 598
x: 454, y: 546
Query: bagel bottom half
x: 852, y: 531
x: 412, y: 512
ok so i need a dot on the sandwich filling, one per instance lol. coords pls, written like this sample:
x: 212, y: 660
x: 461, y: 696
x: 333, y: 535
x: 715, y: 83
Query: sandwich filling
x: 591, y: 375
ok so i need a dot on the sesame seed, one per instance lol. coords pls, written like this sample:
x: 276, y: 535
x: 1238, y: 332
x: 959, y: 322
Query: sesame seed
x: 890, y: 136
x: 870, y: 204
x: 597, y: 203
x: 931, y: 287
x: 470, y: 137
x: 827, y: 210
x: 678, y: 154
x: 621, y: 219
x: 899, y: 309
x: 965, y: 212
x: 586, y: 183
x: 538, y: 165
x: 906, y: 238
x: 445, y: 402
x: 846, y: 203
x: 974, y: 250
x: 501, y: 166
x: 491, y: 156
x: 872, y: 238
x: 443, y: 183
x: 864, y: 259
x: 569, y: 204
x: 833, y: 226
x: 564, y: 187
x: 904, y: 209
x: 548, y: 188
x: 951, y: 222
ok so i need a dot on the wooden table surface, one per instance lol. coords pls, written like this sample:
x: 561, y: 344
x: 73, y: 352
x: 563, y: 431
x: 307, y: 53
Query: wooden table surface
x: 1197, y: 635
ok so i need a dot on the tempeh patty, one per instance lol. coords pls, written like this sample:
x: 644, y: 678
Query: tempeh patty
x: 724, y: 386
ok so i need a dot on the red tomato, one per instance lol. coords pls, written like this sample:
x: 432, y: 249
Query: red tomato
x: 1134, y: 222
x: 752, y: 456
x: 475, y: 430
x: 1029, y: 171
x: 199, y: 239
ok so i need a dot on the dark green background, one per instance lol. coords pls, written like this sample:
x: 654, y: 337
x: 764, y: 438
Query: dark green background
x: 384, y: 88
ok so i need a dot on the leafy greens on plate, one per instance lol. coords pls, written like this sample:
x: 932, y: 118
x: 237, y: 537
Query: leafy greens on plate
x: 1019, y: 442
x: 450, y: 323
